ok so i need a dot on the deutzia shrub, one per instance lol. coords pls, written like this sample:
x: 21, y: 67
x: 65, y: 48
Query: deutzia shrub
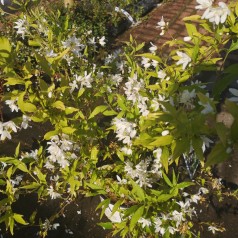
x: 120, y: 124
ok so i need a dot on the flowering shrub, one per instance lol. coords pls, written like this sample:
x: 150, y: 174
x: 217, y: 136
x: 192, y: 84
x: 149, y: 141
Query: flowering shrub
x: 122, y: 122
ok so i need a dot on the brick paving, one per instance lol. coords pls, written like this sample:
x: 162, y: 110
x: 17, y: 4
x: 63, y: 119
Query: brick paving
x: 173, y: 12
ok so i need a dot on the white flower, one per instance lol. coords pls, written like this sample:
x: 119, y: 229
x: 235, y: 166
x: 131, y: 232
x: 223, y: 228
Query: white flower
x: 144, y: 222
x: 184, y: 59
x: 213, y: 229
x: 204, y: 4
x: 85, y: 81
x: 126, y: 150
x: 207, y: 108
x: 92, y: 41
x: 50, y: 54
x: 153, y: 48
x: 162, y: 25
x: 234, y: 92
x: 187, y: 97
x: 55, y: 226
x: 116, y: 79
x: 162, y: 75
x: 2, y: 2
x: 165, y: 133
x: 218, y: 14
x: 187, y: 38
x: 74, y: 44
x: 121, y: 181
x: 12, y: 105
x: 73, y: 85
x: 203, y: 190
x: 206, y: 143
x: 25, y: 122
x: 52, y: 193
x: 158, y: 227
x: 125, y: 130
x: 102, y: 41
x: 178, y: 217
x: 21, y: 25
x: 195, y: 198
x: 146, y: 62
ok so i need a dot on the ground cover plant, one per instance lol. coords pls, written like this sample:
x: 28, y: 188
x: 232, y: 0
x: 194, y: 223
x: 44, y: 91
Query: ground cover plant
x: 122, y: 123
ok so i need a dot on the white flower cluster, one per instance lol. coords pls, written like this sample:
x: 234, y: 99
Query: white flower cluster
x: 216, y: 14
x: 132, y: 90
x: 187, y: 97
x: 58, y: 148
x: 165, y: 222
x: 125, y: 130
x: 12, y: 104
x: 162, y: 25
x: 147, y: 63
x: 6, y: 128
x: 184, y: 59
x: 74, y: 44
x: 81, y: 81
x: 21, y: 26
x: 140, y: 173
x: 147, y: 171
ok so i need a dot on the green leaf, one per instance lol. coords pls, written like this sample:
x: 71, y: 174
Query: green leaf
x: 17, y: 150
x: 14, y: 81
x: 80, y: 92
x: 97, y: 110
x: 151, y: 56
x: 217, y: 155
x: 34, y: 43
x: 59, y: 105
x: 234, y: 130
x: 94, y: 155
x: 49, y: 134
x: 22, y: 167
x: 165, y: 159
x: 116, y: 206
x: 192, y: 18
x: 18, y: 218
x: 9, y: 172
x: 166, y: 179
x: 184, y: 185
x: 138, y: 191
x: 5, y: 50
x: 11, y: 223
x: 25, y: 106
x: 197, y: 146
x: 45, y: 65
x: 40, y: 175
x: 222, y: 132
x: 223, y: 83
x: 136, y: 216
x: 31, y: 186
x: 162, y: 141
x: 164, y: 197
x: 109, y: 113
x: 121, y: 102
x: 69, y: 110
x: 233, y: 47
x: 68, y: 130
x: 106, y: 225
x: 181, y: 146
